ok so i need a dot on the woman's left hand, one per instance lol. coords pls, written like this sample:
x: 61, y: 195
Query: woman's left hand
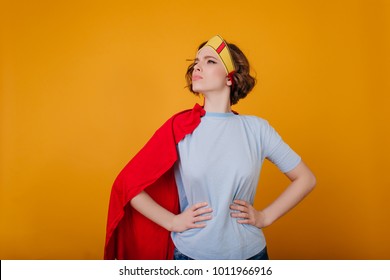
x: 247, y: 214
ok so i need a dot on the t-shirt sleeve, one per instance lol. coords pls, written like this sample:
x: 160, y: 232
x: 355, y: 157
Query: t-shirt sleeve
x: 276, y: 150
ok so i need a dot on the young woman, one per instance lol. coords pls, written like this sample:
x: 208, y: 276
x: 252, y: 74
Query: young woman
x: 217, y: 166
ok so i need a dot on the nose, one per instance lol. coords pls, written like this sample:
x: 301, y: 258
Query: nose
x: 197, y: 67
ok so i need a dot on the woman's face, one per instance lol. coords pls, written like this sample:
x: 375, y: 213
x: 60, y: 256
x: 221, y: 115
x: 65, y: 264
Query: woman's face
x: 209, y: 74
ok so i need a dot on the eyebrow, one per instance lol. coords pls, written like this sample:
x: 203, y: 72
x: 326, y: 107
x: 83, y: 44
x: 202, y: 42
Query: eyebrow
x: 206, y: 57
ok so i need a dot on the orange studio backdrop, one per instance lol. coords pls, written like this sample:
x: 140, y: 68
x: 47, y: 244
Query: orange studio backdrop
x: 83, y: 85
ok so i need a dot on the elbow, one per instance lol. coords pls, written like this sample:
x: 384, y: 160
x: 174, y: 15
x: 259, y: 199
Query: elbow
x: 310, y: 178
x: 306, y: 178
x: 312, y: 181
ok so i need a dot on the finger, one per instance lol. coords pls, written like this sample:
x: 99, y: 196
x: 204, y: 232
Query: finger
x: 202, y: 218
x: 241, y: 202
x: 240, y: 215
x: 202, y: 211
x: 234, y: 215
x: 239, y: 208
x: 198, y: 205
x: 245, y: 221
x: 197, y: 225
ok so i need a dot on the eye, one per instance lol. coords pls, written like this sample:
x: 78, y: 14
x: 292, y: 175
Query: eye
x: 211, y: 61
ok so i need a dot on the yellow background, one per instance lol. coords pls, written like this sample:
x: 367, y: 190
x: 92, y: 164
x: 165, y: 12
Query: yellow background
x: 83, y: 85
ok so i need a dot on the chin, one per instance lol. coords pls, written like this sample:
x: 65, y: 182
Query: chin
x: 196, y: 89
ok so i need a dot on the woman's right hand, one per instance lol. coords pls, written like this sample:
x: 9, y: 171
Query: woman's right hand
x: 191, y: 217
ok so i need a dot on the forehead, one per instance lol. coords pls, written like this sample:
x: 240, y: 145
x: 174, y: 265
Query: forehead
x: 207, y: 51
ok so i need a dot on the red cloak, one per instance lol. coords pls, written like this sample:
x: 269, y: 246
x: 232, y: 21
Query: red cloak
x: 129, y: 234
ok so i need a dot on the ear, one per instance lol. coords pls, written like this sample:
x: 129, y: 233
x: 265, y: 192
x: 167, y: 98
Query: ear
x: 228, y: 81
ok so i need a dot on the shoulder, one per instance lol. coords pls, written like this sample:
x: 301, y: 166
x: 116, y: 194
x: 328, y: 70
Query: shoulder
x: 185, y: 122
x: 254, y: 121
x: 189, y: 114
x: 184, y: 117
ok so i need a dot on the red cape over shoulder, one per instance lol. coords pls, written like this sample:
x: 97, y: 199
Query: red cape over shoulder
x: 129, y: 234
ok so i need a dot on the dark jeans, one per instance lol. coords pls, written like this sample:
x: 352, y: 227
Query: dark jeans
x: 262, y: 255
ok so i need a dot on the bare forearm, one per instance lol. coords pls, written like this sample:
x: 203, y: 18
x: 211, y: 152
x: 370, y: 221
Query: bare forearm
x: 192, y: 217
x: 302, y: 182
x: 294, y: 193
x: 144, y: 204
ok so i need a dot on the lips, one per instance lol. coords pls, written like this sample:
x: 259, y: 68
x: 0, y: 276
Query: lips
x: 196, y: 78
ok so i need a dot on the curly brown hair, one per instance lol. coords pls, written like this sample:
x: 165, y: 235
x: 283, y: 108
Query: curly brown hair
x: 243, y: 81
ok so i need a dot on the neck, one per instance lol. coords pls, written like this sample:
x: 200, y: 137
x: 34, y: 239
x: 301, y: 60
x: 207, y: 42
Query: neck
x: 217, y: 103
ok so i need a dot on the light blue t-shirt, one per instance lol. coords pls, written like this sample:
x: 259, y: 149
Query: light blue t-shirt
x: 219, y: 162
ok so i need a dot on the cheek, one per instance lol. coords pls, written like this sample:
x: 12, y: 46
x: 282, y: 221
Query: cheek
x: 218, y: 74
